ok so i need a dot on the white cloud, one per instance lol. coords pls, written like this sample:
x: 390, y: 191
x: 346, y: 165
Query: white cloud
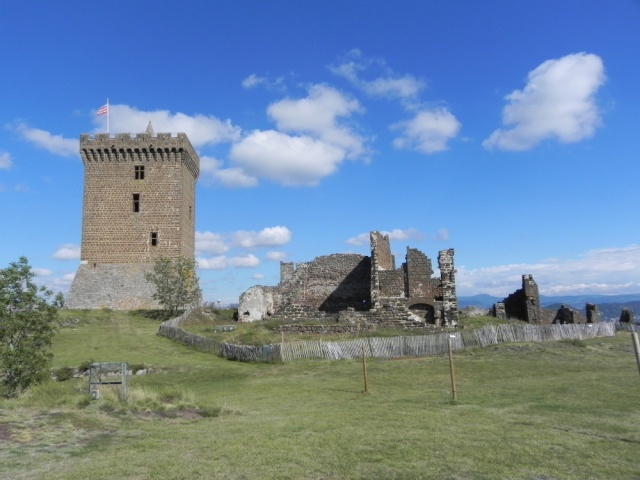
x: 220, y: 243
x: 428, y: 132
x: 288, y: 160
x: 245, y: 261
x: 276, y: 256
x: 600, y: 271
x: 214, y: 263
x: 5, y: 161
x: 65, y: 280
x: 442, y: 235
x: 221, y: 262
x: 258, y: 276
x: 388, y: 84
x: 211, y: 171
x: 396, y: 234
x: 557, y: 103
x: 252, y: 81
x: 201, y: 129
x: 68, y: 251
x: 267, y: 237
x: 399, y: 234
x: 56, y: 144
x: 42, y: 272
x: 54, y: 282
x: 360, y: 239
x: 318, y: 114
x: 209, y: 242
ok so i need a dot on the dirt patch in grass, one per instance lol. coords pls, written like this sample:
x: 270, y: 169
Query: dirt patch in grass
x: 57, y: 431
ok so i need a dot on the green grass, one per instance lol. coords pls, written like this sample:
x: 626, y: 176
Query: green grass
x: 560, y: 410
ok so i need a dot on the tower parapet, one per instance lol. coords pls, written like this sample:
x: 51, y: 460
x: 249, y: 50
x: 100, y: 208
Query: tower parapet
x: 141, y: 147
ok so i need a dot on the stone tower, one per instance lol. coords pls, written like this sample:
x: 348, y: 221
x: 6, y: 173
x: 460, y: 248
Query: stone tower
x: 139, y: 204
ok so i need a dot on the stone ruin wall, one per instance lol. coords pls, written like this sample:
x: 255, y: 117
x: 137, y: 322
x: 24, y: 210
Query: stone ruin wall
x: 350, y: 320
x: 323, y: 289
x: 523, y: 304
x: 391, y: 284
x: 418, y: 272
x: 448, y: 285
x: 328, y: 283
x: 381, y: 260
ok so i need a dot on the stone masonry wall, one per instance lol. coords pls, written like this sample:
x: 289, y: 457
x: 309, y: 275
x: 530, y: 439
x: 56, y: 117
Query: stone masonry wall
x: 337, y: 283
x: 418, y: 273
x: 328, y: 283
x: 524, y: 303
x: 115, y: 286
x: 381, y: 249
x: 448, y: 284
x: 303, y: 319
x: 111, y: 231
x: 391, y: 283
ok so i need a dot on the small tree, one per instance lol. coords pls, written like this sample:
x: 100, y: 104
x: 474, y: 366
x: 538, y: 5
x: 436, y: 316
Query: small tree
x: 28, y: 321
x: 176, y: 283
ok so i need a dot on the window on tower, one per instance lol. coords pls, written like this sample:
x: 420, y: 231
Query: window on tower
x: 136, y: 202
x: 138, y: 171
x: 154, y: 239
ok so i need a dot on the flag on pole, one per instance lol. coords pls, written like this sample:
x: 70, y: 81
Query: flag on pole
x: 103, y: 110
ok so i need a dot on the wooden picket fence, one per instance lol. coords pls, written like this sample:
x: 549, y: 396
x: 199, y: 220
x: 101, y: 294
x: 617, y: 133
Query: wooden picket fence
x: 389, y: 347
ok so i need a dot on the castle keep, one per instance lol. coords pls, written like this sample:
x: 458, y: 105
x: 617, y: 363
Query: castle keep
x: 359, y: 289
x: 138, y: 205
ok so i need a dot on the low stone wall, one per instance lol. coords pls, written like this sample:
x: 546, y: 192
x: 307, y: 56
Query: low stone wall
x: 391, y: 315
x: 297, y: 313
x: 298, y: 329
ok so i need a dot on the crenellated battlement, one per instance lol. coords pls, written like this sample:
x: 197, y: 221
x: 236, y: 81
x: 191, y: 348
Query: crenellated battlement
x: 141, y: 147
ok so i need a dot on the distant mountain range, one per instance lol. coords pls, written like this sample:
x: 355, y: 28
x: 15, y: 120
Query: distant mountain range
x: 610, y: 306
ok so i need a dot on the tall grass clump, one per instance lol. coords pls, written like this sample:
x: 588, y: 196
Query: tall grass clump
x: 167, y: 401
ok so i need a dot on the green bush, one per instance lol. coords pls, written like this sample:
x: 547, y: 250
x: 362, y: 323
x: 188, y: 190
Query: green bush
x: 84, y: 366
x: 64, y: 374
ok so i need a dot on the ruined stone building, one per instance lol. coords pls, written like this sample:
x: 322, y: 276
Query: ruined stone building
x: 138, y: 205
x: 370, y: 288
x: 524, y: 304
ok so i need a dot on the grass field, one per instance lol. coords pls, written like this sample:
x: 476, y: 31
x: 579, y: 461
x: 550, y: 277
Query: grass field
x: 561, y: 410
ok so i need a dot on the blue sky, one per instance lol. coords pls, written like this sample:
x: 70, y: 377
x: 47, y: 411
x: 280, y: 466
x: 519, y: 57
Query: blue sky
x: 506, y: 130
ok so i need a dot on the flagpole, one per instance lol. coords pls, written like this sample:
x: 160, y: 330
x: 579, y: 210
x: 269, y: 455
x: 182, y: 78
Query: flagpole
x: 108, y: 113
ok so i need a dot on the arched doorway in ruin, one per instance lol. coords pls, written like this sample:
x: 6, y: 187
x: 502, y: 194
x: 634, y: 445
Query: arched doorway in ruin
x: 425, y: 311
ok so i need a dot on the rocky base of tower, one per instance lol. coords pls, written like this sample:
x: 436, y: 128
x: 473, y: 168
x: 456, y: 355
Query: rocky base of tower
x: 115, y: 286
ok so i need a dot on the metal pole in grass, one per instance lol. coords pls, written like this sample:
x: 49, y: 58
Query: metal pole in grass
x: 453, y: 374
x: 636, y: 347
x: 364, y: 371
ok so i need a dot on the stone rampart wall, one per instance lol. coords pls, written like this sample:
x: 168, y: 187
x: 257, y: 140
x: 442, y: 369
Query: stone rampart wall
x: 118, y: 287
